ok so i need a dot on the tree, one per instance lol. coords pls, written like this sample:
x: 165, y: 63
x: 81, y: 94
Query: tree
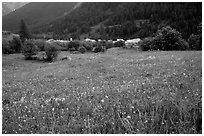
x: 16, y: 44
x: 52, y: 51
x: 168, y: 38
x: 102, y: 32
x: 199, y: 28
x: 195, y: 41
x: 24, y: 33
x: 29, y: 49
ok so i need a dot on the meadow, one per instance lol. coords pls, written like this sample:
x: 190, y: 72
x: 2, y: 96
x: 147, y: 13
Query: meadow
x: 119, y: 91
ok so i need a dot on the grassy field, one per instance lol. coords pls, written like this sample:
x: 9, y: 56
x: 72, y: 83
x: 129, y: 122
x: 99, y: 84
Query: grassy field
x: 119, y: 91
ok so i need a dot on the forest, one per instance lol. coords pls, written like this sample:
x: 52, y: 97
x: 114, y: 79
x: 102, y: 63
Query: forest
x: 127, y: 20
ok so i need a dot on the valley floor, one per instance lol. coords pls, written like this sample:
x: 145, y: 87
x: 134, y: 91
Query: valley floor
x: 119, y: 91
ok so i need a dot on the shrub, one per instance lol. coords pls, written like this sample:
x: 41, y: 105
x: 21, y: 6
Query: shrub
x: 168, y: 39
x: 11, y: 46
x: 42, y: 56
x: 129, y: 45
x: 94, y: 44
x: 29, y: 49
x: 87, y: 45
x: 52, y: 51
x: 6, y: 49
x: 97, y: 49
x: 184, y: 45
x: 102, y: 45
x: 119, y: 44
x: 195, y: 42
x: 73, y: 45
x: 146, y: 44
x: 16, y: 44
x: 82, y: 49
x: 40, y: 44
x: 109, y: 44
x: 62, y: 46
x: 72, y: 49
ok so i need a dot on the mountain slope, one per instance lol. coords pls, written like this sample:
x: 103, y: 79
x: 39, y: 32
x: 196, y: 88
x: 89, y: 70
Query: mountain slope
x: 36, y: 14
x: 8, y: 7
x: 15, y: 5
x: 119, y: 19
x: 88, y: 14
x: 5, y: 9
x: 129, y: 19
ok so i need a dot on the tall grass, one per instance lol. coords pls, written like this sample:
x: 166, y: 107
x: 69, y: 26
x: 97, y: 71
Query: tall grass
x: 158, y: 95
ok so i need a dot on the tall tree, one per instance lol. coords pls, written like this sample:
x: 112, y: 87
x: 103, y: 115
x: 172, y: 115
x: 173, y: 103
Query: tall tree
x: 102, y: 32
x: 24, y: 33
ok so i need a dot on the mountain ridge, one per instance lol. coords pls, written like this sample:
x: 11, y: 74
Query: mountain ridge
x: 12, y: 6
x: 48, y: 12
x: 5, y: 9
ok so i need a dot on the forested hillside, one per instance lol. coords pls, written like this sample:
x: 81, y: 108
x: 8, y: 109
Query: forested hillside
x: 107, y: 19
x: 185, y: 17
x: 130, y: 19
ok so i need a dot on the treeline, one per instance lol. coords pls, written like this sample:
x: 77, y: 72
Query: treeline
x: 129, y: 19
x: 184, y: 17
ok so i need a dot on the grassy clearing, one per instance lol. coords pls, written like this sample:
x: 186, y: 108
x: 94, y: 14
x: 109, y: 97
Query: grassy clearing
x: 120, y: 91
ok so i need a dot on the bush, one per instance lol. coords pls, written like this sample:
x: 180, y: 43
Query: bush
x: 11, y: 46
x: 168, y: 39
x: 82, y: 49
x: 16, y: 44
x: 52, y: 51
x: 72, y: 49
x: 87, y: 45
x: 42, y: 56
x: 97, y: 49
x: 146, y: 44
x: 109, y: 44
x: 73, y: 45
x: 94, y: 44
x: 195, y: 42
x: 40, y: 44
x: 102, y: 45
x: 119, y: 44
x: 6, y: 49
x: 62, y: 46
x: 184, y: 45
x: 29, y: 49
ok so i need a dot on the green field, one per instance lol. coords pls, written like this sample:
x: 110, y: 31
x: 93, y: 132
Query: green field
x: 119, y: 91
